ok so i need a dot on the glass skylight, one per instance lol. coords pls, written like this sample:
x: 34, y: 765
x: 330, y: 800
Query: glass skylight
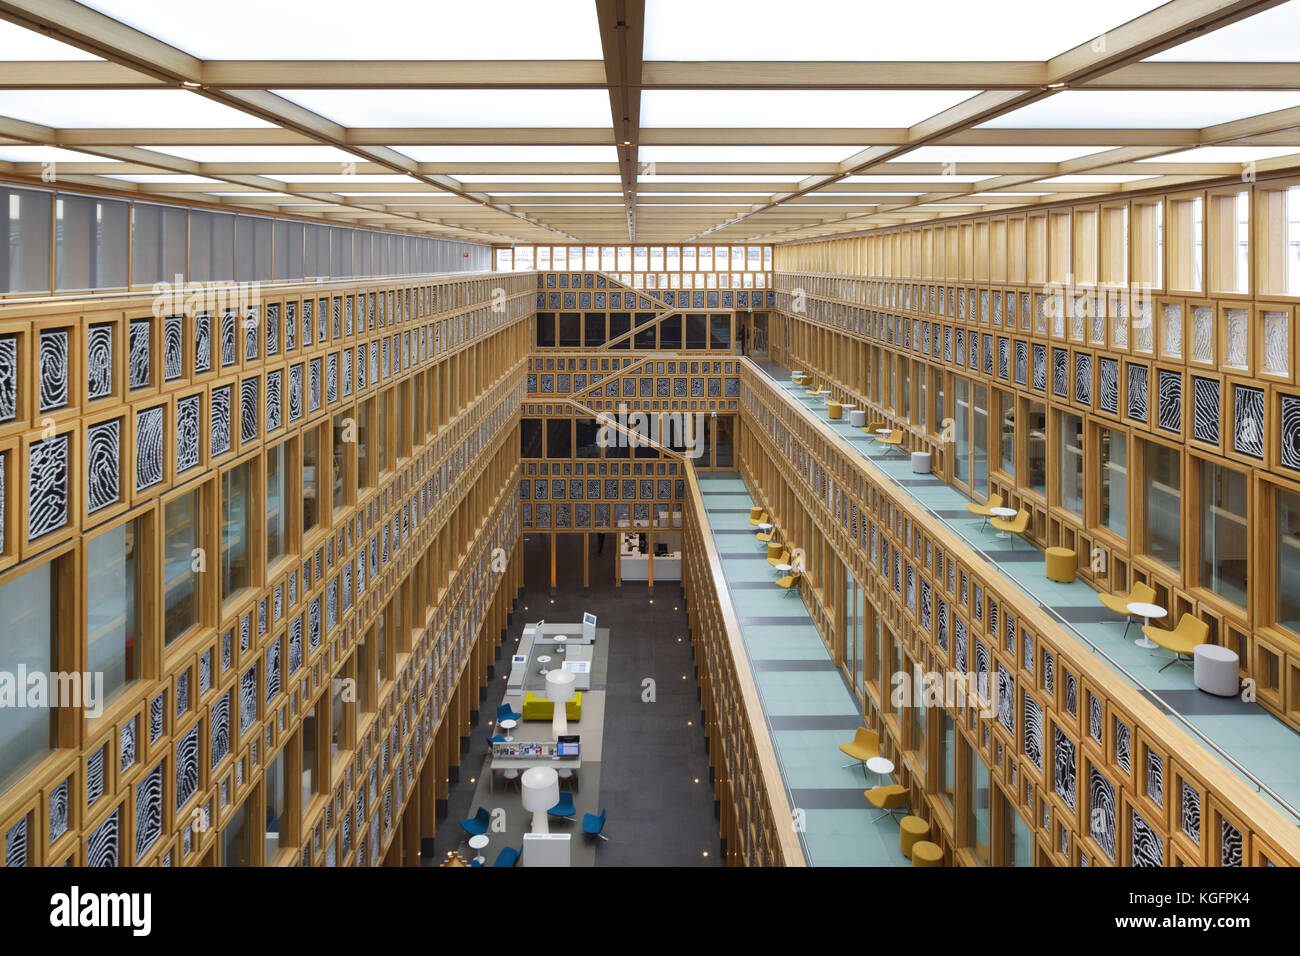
x: 723, y: 178
x: 1224, y: 154
x: 997, y: 154
x: 1143, y: 109
x: 510, y: 154
x: 536, y: 178
x: 381, y: 30
x: 459, y: 108
x: 359, y: 178
x: 46, y: 154
x: 258, y: 154
x: 871, y: 179
x: 745, y: 154
x: 951, y: 29
x: 108, y: 109
x: 1266, y: 37
x: 161, y: 178
x: 1094, y: 178
x: 28, y: 45
x: 812, y: 108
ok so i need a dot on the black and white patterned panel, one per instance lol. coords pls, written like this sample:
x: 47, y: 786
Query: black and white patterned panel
x: 1061, y: 373
x: 1248, y: 420
x: 8, y: 377
x: 248, y: 699
x: 57, y: 810
x: 1122, y: 746
x: 54, y: 369
x: 1229, y: 844
x: 1205, y: 409
x: 1083, y: 378
x: 16, y: 853
x: 251, y: 344
x: 1290, y: 445
x: 139, y: 372
x: 188, y: 414
x: 1108, y: 391
x: 273, y: 670
x: 148, y: 447
x: 187, y: 766
x: 99, y: 361
x: 1146, y: 848
x: 126, y: 746
x: 1022, y: 362
x: 102, y: 847
x: 1032, y: 715
x: 228, y: 336
x: 273, y: 329
x: 148, y: 811
x: 1155, y: 778
x: 219, y: 438
x: 157, y: 714
x: 219, y: 730
x: 1064, y: 765
x: 1189, y: 815
x: 1169, y: 400
x: 249, y: 414
x: 173, y: 348
x: 95, y: 776
x: 103, y: 464
x: 1137, y: 392
x: 1040, y: 367
x: 1007, y: 700
x: 273, y: 394
x: 1101, y: 811
x: 47, y: 486
x: 203, y: 342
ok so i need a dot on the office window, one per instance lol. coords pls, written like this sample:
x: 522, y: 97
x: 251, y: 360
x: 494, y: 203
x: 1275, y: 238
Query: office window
x: 1224, y: 540
x: 593, y: 330
x: 277, y: 808
x: 588, y: 434
x: 25, y: 232
x: 27, y: 734
x: 212, y: 246
x: 339, y: 467
x: 723, y: 442
x: 340, y: 719
x: 570, y: 330
x: 1113, y: 481
x: 382, y: 461
x: 158, y: 243
x: 916, y: 718
x: 383, y: 649
x: 310, y: 479
x: 367, y: 475
x: 277, y: 503
x: 1162, y: 493
x: 182, y: 534
x: 530, y: 438
x: 1017, y: 839
x: 946, y: 771
x: 90, y: 243
x: 237, y: 839
x: 1007, y: 433
x: 308, y: 737
x: 253, y: 249
x: 113, y: 607
x: 1036, y: 451
x: 559, y: 438
x: 236, y: 526
x: 977, y: 815
x: 1069, y: 445
x: 1288, y: 560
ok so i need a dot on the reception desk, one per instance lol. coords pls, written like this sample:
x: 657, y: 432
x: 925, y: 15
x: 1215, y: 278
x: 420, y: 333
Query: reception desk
x: 634, y: 563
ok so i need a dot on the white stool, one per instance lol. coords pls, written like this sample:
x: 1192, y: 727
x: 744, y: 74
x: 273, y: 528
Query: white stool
x: 921, y: 462
x: 858, y: 417
x: 1214, y: 670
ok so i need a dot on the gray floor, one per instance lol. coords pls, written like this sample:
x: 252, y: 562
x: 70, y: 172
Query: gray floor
x: 653, y: 752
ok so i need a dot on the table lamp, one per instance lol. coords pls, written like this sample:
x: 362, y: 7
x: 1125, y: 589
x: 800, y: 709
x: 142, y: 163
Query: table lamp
x: 559, y: 689
x: 541, y: 791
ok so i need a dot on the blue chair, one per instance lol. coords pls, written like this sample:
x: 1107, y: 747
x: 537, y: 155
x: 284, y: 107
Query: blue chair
x: 565, y: 807
x: 507, y: 857
x: 504, y: 712
x: 478, y: 824
x: 495, y: 739
x: 594, y: 823
x: 475, y: 862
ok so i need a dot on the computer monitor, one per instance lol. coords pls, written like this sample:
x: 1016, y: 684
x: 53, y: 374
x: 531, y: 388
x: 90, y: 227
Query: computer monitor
x: 567, y: 745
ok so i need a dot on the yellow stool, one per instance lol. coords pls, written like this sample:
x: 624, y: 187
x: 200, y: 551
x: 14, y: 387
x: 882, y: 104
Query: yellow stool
x: 1061, y: 564
x: 925, y: 853
x: 774, y: 549
x: 911, y: 831
x: 834, y: 410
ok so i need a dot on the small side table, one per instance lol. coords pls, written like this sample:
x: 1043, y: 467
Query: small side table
x: 783, y: 568
x: 559, y: 640
x: 1004, y: 513
x: 880, y: 766
x: 544, y: 659
x: 478, y: 843
x: 508, y: 725
x: 1147, y: 612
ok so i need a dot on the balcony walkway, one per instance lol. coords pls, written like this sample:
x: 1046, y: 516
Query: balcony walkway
x: 1261, y: 743
x: 807, y: 703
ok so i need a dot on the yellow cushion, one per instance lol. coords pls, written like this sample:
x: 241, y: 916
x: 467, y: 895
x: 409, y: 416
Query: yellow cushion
x: 834, y: 410
x: 925, y: 853
x: 1061, y: 564
x: 774, y: 549
x: 911, y: 830
x: 539, y: 708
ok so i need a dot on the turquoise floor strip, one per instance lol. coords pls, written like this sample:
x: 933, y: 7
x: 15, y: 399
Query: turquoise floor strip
x: 806, y: 701
x: 1268, y: 748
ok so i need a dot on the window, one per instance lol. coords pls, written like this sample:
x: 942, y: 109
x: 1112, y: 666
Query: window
x: 1288, y: 561
x: 277, y: 503
x: 545, y: 330
x: 182, y: 535
x: 382, y: 461
x: 27, y: 734
x: 559, y: 438
x: 1036, y: 442
x: 1224, y: 541
x: 1017, y: 840
x: 1162, y: 494
x: 367, y: 475
x: 946, y: 771
x: 570, y: 330
x: 340, y: 717
x: 1007, y: 441
x: 277, y: 808
x: 237, y: 839
x: 310, y: 479
x: 309, y: 735
x: 1113, y: 482
x: 113, y: 607
x: 588, y: 434
x: 977, y: 810
x: 91, y: 238
x: 158, y: 238
x: 1069, y: 444
x: 25, y: 224
x: 339, y: 467
x: 236, y: 525
x: 530, y: 438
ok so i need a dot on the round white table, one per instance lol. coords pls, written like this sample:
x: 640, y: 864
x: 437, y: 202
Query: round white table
x: 765, y: 526
x: 1146, y: 612
x: 478, y: 843
x: 508, y: 725
x: 1003, y: 513
x: 783, y: 568
x: 559, y: 640
x: 880, y: 766
x: 884, y: 431
x: 823, y: 392
x: 544, y: 659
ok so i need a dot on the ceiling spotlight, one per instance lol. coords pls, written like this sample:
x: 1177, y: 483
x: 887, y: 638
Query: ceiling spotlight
x: 1055, y: 86
x: 190, y: 84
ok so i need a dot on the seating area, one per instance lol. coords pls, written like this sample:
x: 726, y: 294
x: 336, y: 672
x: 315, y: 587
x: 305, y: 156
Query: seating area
x: 539, y: 708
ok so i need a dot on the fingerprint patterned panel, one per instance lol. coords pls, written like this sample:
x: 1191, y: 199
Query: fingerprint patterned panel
x: 188, y: 413
x: 16, y: 845
x: 1170, y: 400
x: 1205, y: 409
x: 103, y: 464
x: 54, y: 369
x: 47, y: 488
x: 1101, y: 811
x: 1146, y: 848
x: 173, y: 349
x: 1033, y: 730
x: 1137, y: 392
x: 99, y: 361
x: 148, y: 811
x: 148, y: 448
x: 102, y: 847
x: 203, y: 342
x: 1064, y: 764
x: 1248, y: 420
x: 219, y: 438
x: 139, y: 371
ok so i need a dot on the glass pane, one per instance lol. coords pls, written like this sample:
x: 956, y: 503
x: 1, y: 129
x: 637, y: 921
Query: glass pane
x: 27, y: 734
x: 310, y: 479
x: 1113, y: 514
x: 158, y: 235
x: 1288, y: 562
x: 1069, y: 444
x: 181, y: 537
x: 1037, y: 447
x: 91, y: 243
x: 113, y: 639
x: 25, y: 226
x: 1224, y: 541
x: 277, y: 505
x: 212, y: 247
x: 1163, y: 496
x: 236, y: 568
x: 277, y: 808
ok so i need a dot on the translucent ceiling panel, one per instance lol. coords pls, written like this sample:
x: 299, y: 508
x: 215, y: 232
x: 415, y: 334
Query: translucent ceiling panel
x: 46, y: 154
x: 997, y: 154
x: 382, y: 30
x: 952, y: 29
x: 356, y: 178
x: 510, y: 154
x: 162, y: 178
x: 460, y: 108
x: 536, y: 178
x: 1266, y: 38
x: 1143, y: 109
x: 258, y: 154
x: 918, y: 178
x: 745, y: 154
x: 1225, y: 154
x: 166, y: 109
x: 1094, y: 178
x: 720, y: 178
x: 28, y: 45
x: 815, y: 108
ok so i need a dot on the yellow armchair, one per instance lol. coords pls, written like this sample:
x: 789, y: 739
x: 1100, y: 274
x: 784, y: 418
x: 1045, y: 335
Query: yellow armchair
x: 985, y: 511
x: 539, y: 708
x: 864, y: 745
x: 1182, y: 640
x: 1017, y: 525
x: 890, y: 798
x: 893, y: 440
x: 1141, y: 594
